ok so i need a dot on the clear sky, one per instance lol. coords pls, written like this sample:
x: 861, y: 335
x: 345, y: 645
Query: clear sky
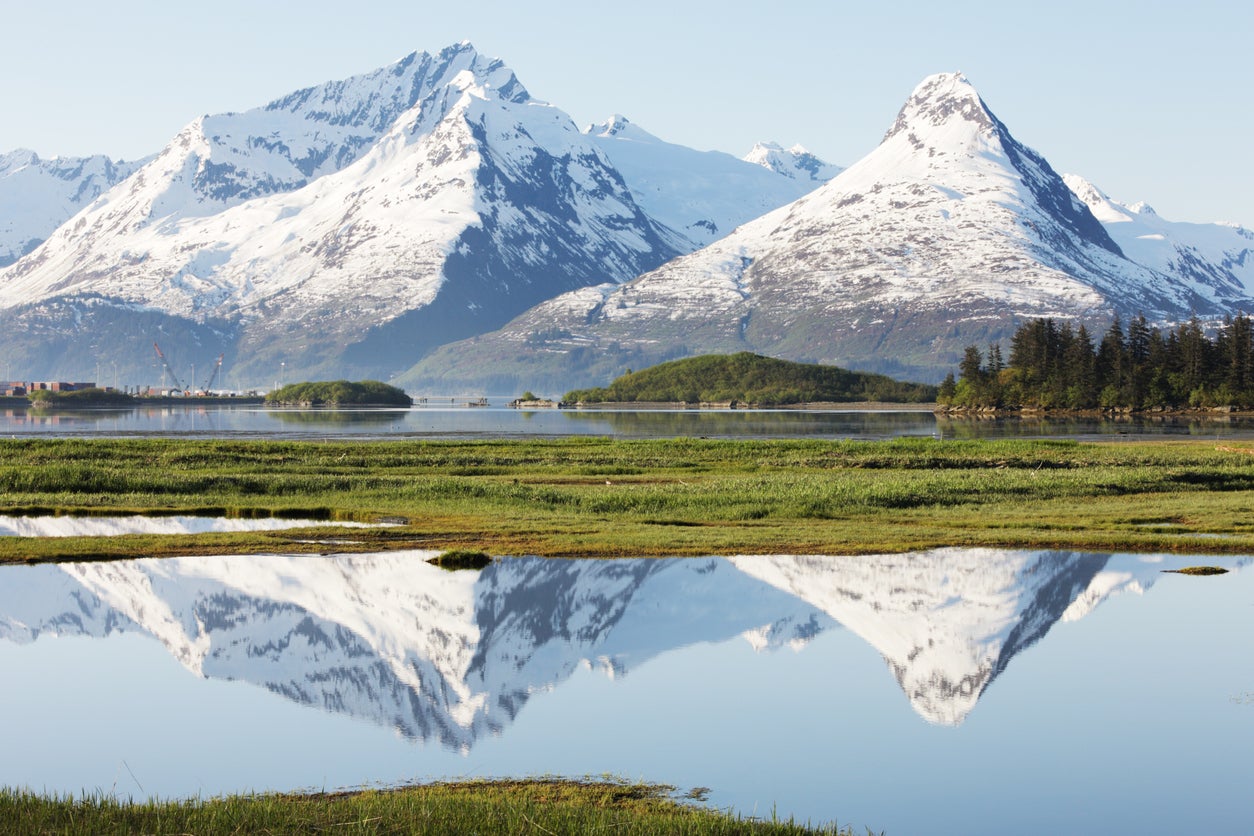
x: 1149, y: 100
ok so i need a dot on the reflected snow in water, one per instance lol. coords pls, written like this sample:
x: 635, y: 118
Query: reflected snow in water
x: 138, y: 524
x: 947, y: 691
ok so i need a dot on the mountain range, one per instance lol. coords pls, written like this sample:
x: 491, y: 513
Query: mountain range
x: 450, y: 657
x: 949, y: 233
x: 434, y: 224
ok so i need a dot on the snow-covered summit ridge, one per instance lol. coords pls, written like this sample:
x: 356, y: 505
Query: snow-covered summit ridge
x: 39, y: 194
x: 620, y: 127
x: 795, y: 163
x: 344, y: 207
x: 943, y: 100
x: 699, y: 195
x: 1215, y: 256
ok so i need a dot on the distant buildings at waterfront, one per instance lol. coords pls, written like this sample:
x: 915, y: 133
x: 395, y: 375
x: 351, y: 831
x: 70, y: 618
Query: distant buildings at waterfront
x: 18, y: 388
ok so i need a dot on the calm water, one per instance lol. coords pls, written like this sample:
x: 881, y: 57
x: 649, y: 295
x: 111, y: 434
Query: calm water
x: 498, y: 421
x: 954, y: 691
x: 62, y: 526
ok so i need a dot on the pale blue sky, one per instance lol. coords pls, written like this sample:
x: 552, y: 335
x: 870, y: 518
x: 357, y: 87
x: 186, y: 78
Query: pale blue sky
x: 1150, y: 101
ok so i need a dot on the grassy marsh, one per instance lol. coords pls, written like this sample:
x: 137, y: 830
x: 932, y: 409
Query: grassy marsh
x: 596, y: 497
x: 539, y: 806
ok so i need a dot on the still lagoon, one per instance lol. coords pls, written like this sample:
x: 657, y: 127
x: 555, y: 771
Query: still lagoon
x: 950, y: 691
x: 499, y: 421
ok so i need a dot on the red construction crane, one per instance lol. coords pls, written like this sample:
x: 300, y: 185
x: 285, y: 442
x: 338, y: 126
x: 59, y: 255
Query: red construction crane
x: 217, y: 367
x: 165, y: 363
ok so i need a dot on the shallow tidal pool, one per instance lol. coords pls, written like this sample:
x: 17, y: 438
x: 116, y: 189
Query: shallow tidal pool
x: 951, y: 691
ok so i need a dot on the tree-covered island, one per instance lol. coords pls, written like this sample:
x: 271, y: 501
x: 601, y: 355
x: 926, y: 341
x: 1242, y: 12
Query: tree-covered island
x: 747, y: 379
x: 81, y: 398
x: 339, y: 393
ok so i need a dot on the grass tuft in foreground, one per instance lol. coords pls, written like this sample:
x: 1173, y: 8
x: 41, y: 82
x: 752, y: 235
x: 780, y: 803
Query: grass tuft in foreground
x: 539, y: 806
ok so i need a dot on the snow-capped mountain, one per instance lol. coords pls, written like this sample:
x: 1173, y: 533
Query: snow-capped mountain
x: 450, y: 657
x: 703, y: 195
x: 1216, y: 258
x: 795, y: 163
x: 38, y: 195
x: 347, y: 227
x: 949, y: 233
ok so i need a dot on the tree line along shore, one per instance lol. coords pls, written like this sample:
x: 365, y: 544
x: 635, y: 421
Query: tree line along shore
x: 1055, y: 366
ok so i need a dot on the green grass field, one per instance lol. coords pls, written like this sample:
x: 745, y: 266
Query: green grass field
x: 603, y: 498
x: 541, y: 806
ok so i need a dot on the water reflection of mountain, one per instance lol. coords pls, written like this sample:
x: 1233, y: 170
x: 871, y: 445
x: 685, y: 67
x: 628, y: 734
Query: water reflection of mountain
x: 449, y: 657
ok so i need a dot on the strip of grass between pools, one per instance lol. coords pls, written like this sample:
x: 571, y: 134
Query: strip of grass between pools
x: 552, y: 806
x: 606, y: 497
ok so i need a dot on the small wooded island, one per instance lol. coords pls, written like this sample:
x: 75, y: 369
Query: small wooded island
x: 339, y: 393
x: 747, y: 379
x: 81, y: 398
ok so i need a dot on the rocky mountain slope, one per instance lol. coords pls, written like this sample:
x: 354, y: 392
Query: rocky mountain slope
x: 949, y: 233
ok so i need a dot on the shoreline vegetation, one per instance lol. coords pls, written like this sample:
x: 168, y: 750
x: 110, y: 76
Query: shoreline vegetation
x: 540, y: 805
x: 605, y: 497
x: 1053, y: 366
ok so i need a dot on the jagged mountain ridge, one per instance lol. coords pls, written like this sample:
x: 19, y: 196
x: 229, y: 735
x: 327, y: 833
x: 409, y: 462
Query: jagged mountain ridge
x: 349, y: 227
x: 950, y: 232
x: 449, y: 657
x: 38, y: 195
x: 1215, y: 258
x: 795, y: 163
x: 393, y: 223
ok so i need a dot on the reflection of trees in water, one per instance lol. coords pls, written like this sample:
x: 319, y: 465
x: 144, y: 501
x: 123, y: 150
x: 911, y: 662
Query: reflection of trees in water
x: 749, y: 423
x: 330, y: 416
x: 53, y: 417
x: 1000, y: 426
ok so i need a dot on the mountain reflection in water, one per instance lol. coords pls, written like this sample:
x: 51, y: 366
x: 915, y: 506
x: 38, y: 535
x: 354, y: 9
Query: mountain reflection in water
x: 449, y: 656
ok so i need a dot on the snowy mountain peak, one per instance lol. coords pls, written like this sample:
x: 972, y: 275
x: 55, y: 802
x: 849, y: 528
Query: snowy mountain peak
x: 795, y: 163
x: 943, y: 100
x: 620, y: 127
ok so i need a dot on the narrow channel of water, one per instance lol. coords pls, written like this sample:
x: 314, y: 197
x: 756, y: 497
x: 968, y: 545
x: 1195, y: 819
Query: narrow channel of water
x: 953, y: 691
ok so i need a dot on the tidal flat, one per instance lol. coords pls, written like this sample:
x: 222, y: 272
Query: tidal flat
x: 600, y: 497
